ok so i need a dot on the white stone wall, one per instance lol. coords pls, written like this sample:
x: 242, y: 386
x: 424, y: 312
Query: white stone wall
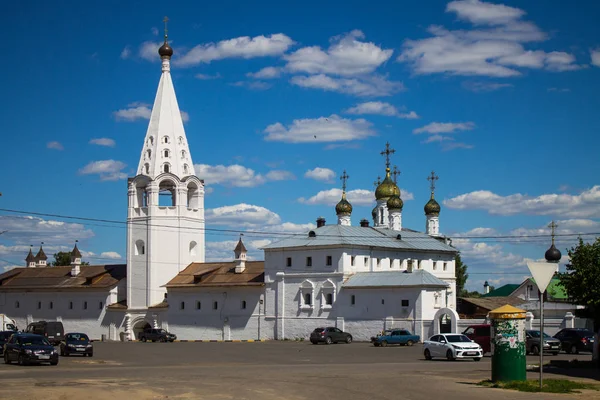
x: 95, y: 320
x: 229, y: 321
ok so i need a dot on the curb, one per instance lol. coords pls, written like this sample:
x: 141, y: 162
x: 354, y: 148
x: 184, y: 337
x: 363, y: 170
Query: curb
x: 222, y: 341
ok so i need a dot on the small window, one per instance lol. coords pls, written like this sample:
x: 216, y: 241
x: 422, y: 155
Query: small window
x: 17, y: 305
x: 147, y: 168
x: 243, y: 304
x: 353, y: 300
x: 39, y: 305
x: 70, y: 305
x: 288, y: 262
x: 215, y: 305
x: 182, y: 153
x: 151, y: 140
x: 404, y: 303
x: 445, y: 266
x: 419, y: 264
x: 329, y: 299
x: 435, y: 265
x: 352, y: 261
x: 366, y: 261
x: 139, y: 248
x: 85, y: 305
x: 186, y: 169
x: 198, y: 305
x: 382, y: 301
x: 182, y: 305
x: 307, y: 299
x: 376, y: 262
x: 165, y: 139
x: 180, y: 139
x: 51, y: 305
x: 329, y: 260
x: 166, y: 168
x: 309, y: 261
x: 166, y: 153
x: 100, y: 305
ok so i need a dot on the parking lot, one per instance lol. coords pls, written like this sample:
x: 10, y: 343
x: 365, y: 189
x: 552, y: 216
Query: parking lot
x: 267, y: 370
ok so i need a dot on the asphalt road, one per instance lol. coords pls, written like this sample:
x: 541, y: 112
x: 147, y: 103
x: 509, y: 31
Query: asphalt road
x: 268, y: 370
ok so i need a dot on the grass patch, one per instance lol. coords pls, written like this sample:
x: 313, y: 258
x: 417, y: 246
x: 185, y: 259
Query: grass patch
x: 550, y: 385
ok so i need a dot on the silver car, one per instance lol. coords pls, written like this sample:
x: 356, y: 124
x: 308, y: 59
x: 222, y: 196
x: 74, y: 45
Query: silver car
x: 532, y: 343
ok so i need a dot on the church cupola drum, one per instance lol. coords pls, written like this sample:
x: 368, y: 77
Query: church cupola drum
x: 165, y: 221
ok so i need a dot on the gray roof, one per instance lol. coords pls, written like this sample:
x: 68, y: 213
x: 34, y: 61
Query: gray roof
x: 394, y: 279
x: 338, y: 235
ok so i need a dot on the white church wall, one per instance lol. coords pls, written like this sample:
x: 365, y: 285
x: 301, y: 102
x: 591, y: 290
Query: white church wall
x: 225, y: 320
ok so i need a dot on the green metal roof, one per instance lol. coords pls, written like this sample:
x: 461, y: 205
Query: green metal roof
x: 555, y: 290
x: 502, y: 291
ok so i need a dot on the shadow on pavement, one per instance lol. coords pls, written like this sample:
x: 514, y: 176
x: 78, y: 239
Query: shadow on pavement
x: 573, y: 368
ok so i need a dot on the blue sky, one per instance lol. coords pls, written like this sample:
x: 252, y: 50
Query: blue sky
x: 500, y: 99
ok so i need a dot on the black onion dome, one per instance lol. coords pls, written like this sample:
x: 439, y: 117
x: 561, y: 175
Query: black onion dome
x: 432, y: 207
x: 553, y: 254
x: 165, y: 50
x: 395, y: 203
x: 344, y: 206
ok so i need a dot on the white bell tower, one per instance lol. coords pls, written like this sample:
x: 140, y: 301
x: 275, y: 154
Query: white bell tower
x: 165, y: 219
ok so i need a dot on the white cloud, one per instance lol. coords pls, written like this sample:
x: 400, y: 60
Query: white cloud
x: 364, y: 86
x: 254, y: 85
x: 485, y: 86
x: 584, y: 205
x: 280, y: 175
x: 595, y: 57
x: 185, y: 117
x: 494, y: 49
x: 559, y: 90
x: 265, y: 73
x: 55, y: 146
x: 103, y: 142
x: 359, y: 197
x: 110, y: 254
x: 133, y: 113
x: 290, y: 227
x: 380, y: 108
x: 346, y: 56
x: 126, y: 53
x: 154, y: 31
x: 232, y: 175
x: 240, y: 47
x: 242, y: 215
x: 29, y: 230
x: 445, y: 127
x: 320, y: 174
x: 149, y: 51
x: 108, y: 170
x: 206, y: 77
x: 323, y: 129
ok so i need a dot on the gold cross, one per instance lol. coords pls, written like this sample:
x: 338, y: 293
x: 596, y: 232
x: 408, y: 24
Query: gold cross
x: 553, y: 225
x: 387, y: 153
x: 377, y: 182
x: 344, y: 178
x: 165, y: 20
x: 396, y: 173
x: 432, y: 179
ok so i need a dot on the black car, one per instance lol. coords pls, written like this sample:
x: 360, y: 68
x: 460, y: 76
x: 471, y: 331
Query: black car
x: 52, y: 330
x: 76, y: 343
x: 532, y: 343
x: 330, y: 335
x: 156, y: 335
x: 27, y: 348
x: 574, y: 340
x: 4, y: 336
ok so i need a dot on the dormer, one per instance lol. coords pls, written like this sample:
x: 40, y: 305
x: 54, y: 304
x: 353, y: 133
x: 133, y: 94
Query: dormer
x: 240, y: 257
x: 75, y: 261
x: 41, y: 257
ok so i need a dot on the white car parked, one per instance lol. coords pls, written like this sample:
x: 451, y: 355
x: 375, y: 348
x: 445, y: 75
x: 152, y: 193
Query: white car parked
x: 452, y: 346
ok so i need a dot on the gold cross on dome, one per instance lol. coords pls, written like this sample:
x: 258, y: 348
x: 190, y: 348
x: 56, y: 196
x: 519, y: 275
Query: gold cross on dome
x: 432, y: 178
x: 165, y: 20
x: 344, y: 178
x: 553, y: 225
x: 396, y: 172
x: 377, y: 182
x: 387, y: 153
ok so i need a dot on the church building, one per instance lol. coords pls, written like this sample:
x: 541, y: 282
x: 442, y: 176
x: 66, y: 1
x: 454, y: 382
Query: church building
x: 361, y: 278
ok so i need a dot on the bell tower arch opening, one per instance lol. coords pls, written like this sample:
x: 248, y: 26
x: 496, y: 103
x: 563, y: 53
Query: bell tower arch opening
x: 167, y: 194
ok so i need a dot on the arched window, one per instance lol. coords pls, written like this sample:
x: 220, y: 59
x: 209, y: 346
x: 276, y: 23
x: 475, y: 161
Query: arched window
x: 186, y: 169
x: 307, y: 299
x: 140, y: 249
x: 167, y: 192
x: 166, y: 153
x: 149, y: 154
x: 193, y: 195
x: 182, y: 153
x: 328, y: 294
x: 180, y: 139
x: 147, y: 168
x: 306, y: 295
x: 151, y: 140
x: 165, y: 139
x: 166, y: 167
x: 193, y: 248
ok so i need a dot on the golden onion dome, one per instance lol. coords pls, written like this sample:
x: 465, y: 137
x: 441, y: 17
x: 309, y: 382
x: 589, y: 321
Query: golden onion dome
x: 344, y: 206
x: 387, y: 188
x: 395, y: 203
x: 432, y: 207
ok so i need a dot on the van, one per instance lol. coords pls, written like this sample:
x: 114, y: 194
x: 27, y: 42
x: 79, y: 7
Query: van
x: 480, y: 334
x: 7, y: 324
x: 51, y: 330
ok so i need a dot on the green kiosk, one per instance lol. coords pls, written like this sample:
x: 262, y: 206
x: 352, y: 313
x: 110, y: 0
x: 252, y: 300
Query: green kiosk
x: 508, y: 344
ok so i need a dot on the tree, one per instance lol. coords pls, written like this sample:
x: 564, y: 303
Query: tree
x: 461, y: 275
x: 63, y: 258
x: 582, y: 278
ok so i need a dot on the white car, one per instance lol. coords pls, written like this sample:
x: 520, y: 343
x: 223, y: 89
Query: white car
x: 452, y: 346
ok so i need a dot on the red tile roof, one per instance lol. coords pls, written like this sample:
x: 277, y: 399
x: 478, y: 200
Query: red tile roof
x: 91, y: 276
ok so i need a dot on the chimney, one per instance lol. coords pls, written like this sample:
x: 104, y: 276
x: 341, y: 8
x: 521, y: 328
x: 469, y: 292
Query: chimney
x: 320, y: 222
x: 364, y: 223
x: 486, y: 287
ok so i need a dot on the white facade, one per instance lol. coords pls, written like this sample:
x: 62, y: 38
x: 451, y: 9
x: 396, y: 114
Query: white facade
x: 432, y: 224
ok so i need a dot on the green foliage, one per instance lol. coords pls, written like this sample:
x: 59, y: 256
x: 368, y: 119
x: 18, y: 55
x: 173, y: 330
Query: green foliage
x: 473, y: 294
x: 550, y: 385
x: 63, y: 259
x: 582, y: 278
x: 461, y: 275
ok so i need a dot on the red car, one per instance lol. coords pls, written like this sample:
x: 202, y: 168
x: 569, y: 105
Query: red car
x: 480, y: 334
